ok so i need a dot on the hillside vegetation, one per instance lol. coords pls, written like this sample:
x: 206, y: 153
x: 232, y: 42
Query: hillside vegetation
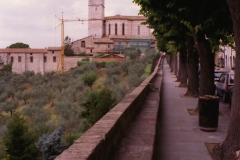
x: 65, y: 105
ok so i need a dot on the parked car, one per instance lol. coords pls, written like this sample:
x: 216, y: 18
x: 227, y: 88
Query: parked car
x: 231, y: 94
x: 223, y: 85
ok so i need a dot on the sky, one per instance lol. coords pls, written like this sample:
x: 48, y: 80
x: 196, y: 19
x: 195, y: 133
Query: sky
x: 34, y: 22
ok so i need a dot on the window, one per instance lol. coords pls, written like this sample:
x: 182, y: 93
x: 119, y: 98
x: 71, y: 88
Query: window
x: 31, y: 59
x: 52, y: 52
x: 109, y: 46
x: 19, y: 59
x: 83, y: 44
x: 109, y: 29
x: 45, y: 59
x: 91, y: 50
x: 30, y: 53
x: 138, y: 29
x: 54, y: 59
x: 11, y: 59
x: 8, y: 53
x: 123, y: 29
x: 115, y: 28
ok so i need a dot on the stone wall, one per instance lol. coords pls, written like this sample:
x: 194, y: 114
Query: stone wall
x: 101, y: 141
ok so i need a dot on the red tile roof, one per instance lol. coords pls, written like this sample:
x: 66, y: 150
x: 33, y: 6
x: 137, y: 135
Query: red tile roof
x: 22, y: 50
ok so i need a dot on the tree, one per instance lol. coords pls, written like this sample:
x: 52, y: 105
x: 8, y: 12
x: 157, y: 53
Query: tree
x: 97, y: 104
x: 9, y: 106
x: 89, y: 78
x: 133, y: 53
x: 19, y: 45
x: 19, y: 142
x: 227, y: 150
x: 67, y: 47
x: 51, y: 145
x: 6, y: 69
x: 197, y: 19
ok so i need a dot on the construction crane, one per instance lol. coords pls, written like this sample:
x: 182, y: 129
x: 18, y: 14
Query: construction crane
x: 60, y: 64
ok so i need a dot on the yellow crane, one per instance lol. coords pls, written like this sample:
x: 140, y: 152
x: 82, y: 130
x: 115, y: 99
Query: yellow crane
x: 60, y: 64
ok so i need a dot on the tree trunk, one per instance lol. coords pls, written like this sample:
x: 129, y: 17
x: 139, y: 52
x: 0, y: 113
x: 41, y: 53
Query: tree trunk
x: 179, y: 73
x: 175, y: 65
x: 171, y: 62
x: 206, y: 66
x: 192, y: 63
x: 183, y: 61
x: 227, y: 150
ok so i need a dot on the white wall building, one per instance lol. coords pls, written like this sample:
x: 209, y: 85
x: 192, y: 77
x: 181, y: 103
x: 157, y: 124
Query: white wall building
x: 226, y: 57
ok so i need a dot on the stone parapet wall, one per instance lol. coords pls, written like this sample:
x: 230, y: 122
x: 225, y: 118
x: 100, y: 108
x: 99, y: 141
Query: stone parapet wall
x: 102, y: 140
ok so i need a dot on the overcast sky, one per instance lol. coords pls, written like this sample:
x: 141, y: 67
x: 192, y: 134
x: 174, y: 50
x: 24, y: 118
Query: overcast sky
x: 33, y: 21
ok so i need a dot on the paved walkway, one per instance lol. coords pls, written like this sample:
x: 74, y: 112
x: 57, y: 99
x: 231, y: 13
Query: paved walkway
x: 178, y: 136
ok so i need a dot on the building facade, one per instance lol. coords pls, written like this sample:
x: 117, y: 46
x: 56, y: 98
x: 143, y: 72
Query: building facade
x: 112, y: 33
x: 226, y: 57
x: 37, y: 60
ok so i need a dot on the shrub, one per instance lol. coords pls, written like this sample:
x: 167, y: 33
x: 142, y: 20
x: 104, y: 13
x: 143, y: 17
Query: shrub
x: 97, y: 104
x: 102, y: 64
x: 99, y: 55
x: 137, y: 69
x: 51, y: 145
x: 133, y: 53
x: 134, y: 81
x: 82, y: 54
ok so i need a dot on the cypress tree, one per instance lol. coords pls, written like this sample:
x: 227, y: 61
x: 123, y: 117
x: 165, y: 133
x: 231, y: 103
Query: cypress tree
x: 19, y: 142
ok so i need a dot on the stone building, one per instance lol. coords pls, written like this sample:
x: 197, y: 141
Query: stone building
x: 37, y: 60
x: 112, y: 34
x: 226, y: 57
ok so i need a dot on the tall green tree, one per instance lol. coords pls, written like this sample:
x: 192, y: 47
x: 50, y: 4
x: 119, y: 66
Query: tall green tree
x: 197, y: 19
x: 19, y: 143
x: 19, y: 45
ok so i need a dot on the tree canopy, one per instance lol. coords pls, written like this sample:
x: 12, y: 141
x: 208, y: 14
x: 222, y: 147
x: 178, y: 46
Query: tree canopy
x: 19, y: 45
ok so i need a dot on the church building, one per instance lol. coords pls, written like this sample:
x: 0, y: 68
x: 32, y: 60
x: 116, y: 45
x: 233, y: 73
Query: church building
x: 112, y: 34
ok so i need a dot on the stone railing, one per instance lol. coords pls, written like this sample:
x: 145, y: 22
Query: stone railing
x: 102, y: 140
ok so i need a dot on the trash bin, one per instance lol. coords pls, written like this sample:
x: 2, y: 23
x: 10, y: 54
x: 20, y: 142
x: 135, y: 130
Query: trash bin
x: 208, y: 112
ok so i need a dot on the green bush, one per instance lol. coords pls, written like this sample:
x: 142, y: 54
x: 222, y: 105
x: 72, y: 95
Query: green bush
x: 82, y: 63
x: 83, y: 54
x: 101, y: 64
x: 97, y: 104
x: 99, y: 55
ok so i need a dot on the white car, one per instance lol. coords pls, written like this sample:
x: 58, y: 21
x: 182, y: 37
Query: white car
x: 222, y: 85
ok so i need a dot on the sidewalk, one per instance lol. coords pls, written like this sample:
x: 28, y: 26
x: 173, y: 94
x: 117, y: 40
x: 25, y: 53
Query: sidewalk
x: 178, y: 136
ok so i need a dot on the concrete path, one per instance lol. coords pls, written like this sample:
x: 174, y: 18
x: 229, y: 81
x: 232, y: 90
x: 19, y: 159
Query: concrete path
x: 178, y: 135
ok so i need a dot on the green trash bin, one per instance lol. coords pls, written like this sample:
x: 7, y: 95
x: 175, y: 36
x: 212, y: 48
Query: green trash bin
x: 208, y: 112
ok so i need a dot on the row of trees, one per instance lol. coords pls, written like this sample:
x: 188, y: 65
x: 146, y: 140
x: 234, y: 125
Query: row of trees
x: 197, y: 28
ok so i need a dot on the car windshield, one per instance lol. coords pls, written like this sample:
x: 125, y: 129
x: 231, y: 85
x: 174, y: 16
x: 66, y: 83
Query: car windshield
x: 231, y: 78
x: 217, y: 74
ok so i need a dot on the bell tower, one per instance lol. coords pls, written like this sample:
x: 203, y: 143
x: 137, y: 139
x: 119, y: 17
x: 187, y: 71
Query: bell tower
x: 96, y: 18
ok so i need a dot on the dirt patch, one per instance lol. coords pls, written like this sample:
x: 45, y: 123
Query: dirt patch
x: 192, y: 112
x: 210, y: 147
